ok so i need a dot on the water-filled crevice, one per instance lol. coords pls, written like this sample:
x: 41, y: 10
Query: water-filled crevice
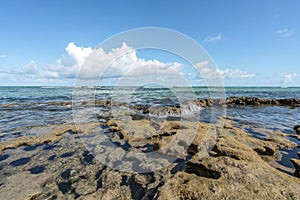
x: 87, y: 158
x: 137, y: 190
x: 201, y: 170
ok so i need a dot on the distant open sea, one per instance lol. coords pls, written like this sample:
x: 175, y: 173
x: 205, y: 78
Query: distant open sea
x: 22, y: 108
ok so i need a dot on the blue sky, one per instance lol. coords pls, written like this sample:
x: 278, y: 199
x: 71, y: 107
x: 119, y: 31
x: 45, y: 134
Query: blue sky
x: 258, y: 38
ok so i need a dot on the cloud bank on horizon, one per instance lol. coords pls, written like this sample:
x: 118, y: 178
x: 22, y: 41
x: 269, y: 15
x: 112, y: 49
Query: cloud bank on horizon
x: 113, y: 65
x: 289, y: 78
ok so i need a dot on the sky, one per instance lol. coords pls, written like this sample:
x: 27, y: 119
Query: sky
x: 252, y: 43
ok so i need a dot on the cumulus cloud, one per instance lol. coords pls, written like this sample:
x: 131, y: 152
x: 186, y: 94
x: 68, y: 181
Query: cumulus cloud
x: 68, y: 66
x: 210, y: 73
x: 289, y: 78
x: 283, y: 33
x: 120, y: 64
x: 213, y: 39
x: 75, y: 55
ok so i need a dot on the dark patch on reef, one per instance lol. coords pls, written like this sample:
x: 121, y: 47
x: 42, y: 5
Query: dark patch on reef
x: 87, y: 158
x: 31, y: 148
x: 4, y: 157
x: 68, y: 154
x: 21, y: 161
x: 37, y: 169
x: 64, y: 187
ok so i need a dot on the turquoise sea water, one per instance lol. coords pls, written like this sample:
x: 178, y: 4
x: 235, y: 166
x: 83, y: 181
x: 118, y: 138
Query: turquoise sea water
x: 24, y: 107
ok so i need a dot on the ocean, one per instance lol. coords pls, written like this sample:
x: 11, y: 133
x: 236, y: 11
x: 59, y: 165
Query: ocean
x: 22, y: 108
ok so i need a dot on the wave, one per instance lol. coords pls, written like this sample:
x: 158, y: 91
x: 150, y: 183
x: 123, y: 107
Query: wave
x: 185, y: 110
x: 48, y: 87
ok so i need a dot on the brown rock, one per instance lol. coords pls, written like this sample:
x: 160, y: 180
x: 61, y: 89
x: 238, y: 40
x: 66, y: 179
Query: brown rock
x: 296, y: 163
x: 114, y: 129
x: 228, y: 178
x: 111, y: 194
x: 107, y: 194
x: 282, y: 142
x: 266, y: 150
x: 228, y: 146
x: 49, y: 137
x: 23, y: 185
x: 233, y: 170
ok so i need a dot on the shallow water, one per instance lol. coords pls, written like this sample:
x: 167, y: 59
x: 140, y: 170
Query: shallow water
x: 24, y: 107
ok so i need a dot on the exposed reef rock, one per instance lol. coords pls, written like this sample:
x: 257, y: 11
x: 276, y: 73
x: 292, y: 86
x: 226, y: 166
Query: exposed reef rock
x: 57, y: 165
x: 48, y: 137
x: 282, y: 142
x: 260, y: 101
x: 146, y: 109
x: 296, y: 163
x: 229, y: 178
x: 250, y: 101
x: 235, y: 171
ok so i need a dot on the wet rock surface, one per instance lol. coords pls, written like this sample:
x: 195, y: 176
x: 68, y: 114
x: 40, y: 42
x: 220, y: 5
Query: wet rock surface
x: 66, y: 162
x: 260, y: 101
x: 234, y: 100
x: 296, y: 163
x: 297, y: 129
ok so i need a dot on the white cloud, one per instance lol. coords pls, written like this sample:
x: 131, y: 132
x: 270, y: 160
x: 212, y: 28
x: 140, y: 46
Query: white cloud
x: 30, y: 68
x: 50, y: 74
x: 283, y: 33
x: 75, y: 55
x: 213, y: 39
x: 3, y: 56
x: 234, y: 73
x: 120, y: 64
x: 289, y: 78
x: 211, y: 73
x: 123, y: 62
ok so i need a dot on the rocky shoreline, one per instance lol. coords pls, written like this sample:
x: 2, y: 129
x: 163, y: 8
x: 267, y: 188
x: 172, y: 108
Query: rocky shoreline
x: 57, y: 165
x: 233, y: 100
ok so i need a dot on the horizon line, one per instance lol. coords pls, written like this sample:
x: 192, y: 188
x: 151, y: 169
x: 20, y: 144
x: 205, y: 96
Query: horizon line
x: 241, y: 86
